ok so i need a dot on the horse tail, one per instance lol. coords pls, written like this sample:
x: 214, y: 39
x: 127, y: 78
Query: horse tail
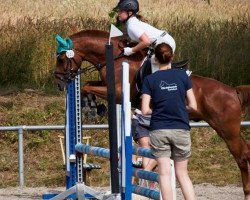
x: 243, y: 92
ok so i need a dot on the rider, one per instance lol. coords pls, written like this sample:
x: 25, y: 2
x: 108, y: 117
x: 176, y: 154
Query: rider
x: 141, y: 32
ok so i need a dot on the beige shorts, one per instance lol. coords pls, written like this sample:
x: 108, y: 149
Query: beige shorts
x: 172, y: 143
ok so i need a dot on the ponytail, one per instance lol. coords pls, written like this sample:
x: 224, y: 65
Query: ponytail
x: 164, y: 53
x: 141, y: 18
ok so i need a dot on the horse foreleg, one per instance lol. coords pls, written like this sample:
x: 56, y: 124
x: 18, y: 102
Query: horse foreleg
x: 100, y: 91
x: 94, y: 83
x: 90, y: 83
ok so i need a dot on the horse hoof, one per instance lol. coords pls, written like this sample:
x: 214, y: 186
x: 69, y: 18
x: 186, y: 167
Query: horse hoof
x: 91, y: 97
x: 84, y: 102
x: 92, y: 113
x: 86, y: 110
x: 101, y: 110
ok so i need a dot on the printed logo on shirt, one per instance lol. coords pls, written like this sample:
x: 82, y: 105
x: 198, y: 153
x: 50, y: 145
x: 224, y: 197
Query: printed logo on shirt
x: 169, y: 87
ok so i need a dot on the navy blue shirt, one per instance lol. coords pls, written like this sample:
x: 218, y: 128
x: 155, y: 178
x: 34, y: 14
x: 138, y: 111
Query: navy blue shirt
x: 167, y: 89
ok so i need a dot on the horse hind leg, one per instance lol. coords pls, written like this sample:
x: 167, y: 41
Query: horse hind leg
x: 241, y: 152
x: 244, y: 164
x: 229, y: 130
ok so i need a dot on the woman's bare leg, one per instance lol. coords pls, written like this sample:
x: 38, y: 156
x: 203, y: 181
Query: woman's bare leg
x: 147, y: 163
x: 181, y: 172
x: 164, y: 169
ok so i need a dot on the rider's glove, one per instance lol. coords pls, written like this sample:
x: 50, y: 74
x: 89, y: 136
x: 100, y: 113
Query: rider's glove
x: 128, y: 51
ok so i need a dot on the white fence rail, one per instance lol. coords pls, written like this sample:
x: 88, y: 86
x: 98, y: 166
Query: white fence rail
x: 22, y: 128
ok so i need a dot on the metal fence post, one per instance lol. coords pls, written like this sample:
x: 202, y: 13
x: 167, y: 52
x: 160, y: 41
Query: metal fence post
x: 20, y: 157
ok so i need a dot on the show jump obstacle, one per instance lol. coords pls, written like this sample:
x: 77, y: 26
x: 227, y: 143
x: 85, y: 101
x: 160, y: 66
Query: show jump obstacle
x: 121, y: 170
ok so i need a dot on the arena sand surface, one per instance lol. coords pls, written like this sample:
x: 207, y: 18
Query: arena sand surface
x: 203, y: 192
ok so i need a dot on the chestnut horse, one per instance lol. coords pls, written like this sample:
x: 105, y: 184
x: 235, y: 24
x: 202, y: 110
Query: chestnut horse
x: 220, y: 105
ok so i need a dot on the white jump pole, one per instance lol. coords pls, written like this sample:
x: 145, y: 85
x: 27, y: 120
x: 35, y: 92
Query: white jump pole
x: 127, y: 146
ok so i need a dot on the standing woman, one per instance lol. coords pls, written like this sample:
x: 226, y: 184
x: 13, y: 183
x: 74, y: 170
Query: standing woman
x: 139, y: 31
x: 169, y: 90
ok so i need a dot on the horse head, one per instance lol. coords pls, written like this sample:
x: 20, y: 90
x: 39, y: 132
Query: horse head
x: 87, y: 45
x: 68, y: 62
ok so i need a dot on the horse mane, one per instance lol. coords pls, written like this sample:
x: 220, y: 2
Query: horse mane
x: 120, y: 42
x: 102, y: 35
x: 91, y: 33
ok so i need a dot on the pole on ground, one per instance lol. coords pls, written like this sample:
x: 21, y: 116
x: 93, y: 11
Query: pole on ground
x: 110, y: 76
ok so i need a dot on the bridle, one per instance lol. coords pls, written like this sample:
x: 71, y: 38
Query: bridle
x: 70, y: 73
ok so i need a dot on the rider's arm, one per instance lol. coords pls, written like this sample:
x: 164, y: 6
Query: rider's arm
x: 143, y: 43
x: 145, y: 107
x: 191, y: 101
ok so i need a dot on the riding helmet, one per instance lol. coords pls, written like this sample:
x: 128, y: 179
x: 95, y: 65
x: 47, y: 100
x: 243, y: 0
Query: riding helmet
x: 128, y: 5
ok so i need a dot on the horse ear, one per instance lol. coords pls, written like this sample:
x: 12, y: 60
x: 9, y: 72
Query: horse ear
x: 61, y: 41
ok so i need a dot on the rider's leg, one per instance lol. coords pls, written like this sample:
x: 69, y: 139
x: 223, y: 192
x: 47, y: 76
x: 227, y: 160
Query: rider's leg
x: 147, y: 163
x: 154, y: 64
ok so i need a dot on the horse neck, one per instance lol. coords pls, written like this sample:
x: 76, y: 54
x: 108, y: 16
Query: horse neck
x: 92, y: 49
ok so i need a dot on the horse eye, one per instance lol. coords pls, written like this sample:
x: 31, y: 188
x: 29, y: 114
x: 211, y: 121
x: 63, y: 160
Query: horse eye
x: 60, y: 60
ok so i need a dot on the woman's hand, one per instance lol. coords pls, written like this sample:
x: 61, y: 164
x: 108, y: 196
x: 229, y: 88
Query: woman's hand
x: 127, y: 51
x: 143, y: 43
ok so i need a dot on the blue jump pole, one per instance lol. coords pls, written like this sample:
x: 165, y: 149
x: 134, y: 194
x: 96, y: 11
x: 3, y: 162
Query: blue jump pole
x: 105, y: 153
x: 70, y: 166
x: 147, y: 175
x: 152, y: 194
x: 144, y: 152
x: 96, y: 151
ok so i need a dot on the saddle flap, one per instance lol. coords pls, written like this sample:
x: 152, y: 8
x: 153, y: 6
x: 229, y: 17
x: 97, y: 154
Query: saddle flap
x: 143, y: 71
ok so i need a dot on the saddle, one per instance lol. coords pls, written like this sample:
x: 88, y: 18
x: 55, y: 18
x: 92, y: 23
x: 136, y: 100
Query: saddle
x: 145, y: 70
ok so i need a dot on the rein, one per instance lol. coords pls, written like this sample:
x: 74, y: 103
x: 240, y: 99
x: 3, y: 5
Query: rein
x: 70, y: 75
x: 98, y: 66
